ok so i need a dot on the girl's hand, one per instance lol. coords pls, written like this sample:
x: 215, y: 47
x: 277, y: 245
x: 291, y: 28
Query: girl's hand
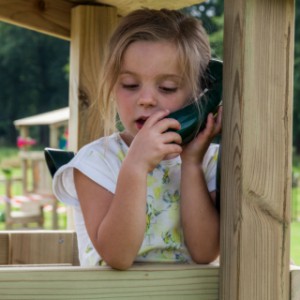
x: 153, y: 142
x: 194, y: 151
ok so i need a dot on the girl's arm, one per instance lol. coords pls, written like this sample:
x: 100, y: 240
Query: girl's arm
x: 116, y: 222
x: 199, y: 218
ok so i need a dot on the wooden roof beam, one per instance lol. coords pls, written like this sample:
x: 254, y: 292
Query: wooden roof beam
x: 51, y: 17
x: 126, y: 6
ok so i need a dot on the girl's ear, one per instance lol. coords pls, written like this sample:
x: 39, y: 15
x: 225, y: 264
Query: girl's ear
x: 193, y: 117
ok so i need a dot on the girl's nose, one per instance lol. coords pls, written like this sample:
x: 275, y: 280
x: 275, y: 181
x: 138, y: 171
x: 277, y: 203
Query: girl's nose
x: 147, y: 99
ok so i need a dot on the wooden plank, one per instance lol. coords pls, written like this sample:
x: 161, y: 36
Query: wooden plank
x: 295, y: 283
x: 91, y: 27
x: 126, y: 6
x: 47, y: 16
x: 4, y: 248
x: 42, y: 247
x: 257, y: 148
x: 163, y: 282
x: 53, y: 16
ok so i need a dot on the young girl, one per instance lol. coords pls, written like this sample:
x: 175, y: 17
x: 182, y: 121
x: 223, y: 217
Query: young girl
x: 139, y: 195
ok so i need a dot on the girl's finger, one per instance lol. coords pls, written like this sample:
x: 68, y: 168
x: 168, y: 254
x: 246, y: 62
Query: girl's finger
x: 171, y: 137
x: 218, y: 121
x: 153, y: 119
x: 166, y: 124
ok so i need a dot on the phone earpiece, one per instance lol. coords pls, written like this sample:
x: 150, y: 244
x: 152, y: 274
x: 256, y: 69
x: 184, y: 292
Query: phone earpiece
x: 193, y: 116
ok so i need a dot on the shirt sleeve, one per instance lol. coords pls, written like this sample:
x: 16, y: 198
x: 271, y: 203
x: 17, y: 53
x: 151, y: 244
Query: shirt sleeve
x: 210, y: 166
x: 94, y: 164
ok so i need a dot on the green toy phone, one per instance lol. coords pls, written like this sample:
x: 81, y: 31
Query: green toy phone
x: 193, y: 116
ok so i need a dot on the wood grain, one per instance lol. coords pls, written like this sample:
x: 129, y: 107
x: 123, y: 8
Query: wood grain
x: 126, y: 6
x: 91, y: 27
x: 163, y: 282
x: 257, y: 149
x: 46, y: 16
x: 295, y: 283
x: 38, y: 247
x: 4, y: 248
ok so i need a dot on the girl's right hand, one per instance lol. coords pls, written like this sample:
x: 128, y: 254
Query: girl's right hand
x: 153, y: 142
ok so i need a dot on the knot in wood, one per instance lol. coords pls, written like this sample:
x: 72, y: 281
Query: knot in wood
x: 41, y: 5
x: 83, y: 99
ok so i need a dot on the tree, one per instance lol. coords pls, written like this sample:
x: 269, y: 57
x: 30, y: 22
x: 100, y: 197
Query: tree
x: 211, y: 13
x: 32, y: 76
x: 296, y: 115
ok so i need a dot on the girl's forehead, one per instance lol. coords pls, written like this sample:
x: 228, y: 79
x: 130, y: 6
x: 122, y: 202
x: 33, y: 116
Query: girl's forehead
x: 148, y: 56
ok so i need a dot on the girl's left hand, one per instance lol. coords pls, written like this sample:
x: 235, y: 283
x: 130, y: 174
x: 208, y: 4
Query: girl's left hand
x: 194, y: 151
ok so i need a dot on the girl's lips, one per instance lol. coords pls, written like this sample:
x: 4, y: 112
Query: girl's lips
x: 140, y: 122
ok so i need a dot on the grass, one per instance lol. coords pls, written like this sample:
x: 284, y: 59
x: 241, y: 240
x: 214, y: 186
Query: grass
x: 295, y: 242
x: 9, y: 159
x: 62, y: 220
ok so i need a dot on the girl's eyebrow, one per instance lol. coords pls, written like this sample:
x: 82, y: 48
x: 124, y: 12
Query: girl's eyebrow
x: 160, y: 77
x: 127, y: 72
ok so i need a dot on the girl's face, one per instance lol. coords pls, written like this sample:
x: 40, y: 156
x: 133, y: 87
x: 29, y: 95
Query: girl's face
x: 150, y: 80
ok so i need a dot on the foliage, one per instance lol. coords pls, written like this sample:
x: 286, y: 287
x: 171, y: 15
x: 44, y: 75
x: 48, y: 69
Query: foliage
x: 212, y: 17
x: 295, y: 245
x: 296, y: 116
x: 32, y: 76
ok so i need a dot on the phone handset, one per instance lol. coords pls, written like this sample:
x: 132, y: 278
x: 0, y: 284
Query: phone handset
x: 193, y: 116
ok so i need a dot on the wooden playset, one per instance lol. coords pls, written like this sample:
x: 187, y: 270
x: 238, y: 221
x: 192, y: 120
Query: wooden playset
x: 256, y: 161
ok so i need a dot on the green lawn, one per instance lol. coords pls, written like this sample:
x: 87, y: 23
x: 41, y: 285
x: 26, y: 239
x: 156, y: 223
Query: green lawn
x: 295, y: 243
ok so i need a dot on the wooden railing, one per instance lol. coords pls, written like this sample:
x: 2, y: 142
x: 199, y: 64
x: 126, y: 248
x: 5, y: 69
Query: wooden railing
x: 44, y: 265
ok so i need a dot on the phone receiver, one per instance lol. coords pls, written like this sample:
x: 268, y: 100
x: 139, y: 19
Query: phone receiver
x: 193, y: 116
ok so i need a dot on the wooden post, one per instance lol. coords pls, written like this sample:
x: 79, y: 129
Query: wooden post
x: 257, y: 149
x: 53, y: 143
x: 90, y: 30
x: 295, y: 283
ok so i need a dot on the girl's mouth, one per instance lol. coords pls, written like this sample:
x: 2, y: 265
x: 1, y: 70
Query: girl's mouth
x: 140, y: 122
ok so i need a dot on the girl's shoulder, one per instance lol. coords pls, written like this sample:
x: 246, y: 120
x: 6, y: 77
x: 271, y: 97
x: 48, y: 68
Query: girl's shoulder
x: 104, y: 145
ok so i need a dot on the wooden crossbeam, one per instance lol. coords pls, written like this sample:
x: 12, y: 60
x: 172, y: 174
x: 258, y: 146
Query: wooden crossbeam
x: 125, y: 6
x: 52, y: 17
x: 163, y: 282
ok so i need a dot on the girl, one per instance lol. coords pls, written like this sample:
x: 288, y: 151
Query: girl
x: 139, y: 195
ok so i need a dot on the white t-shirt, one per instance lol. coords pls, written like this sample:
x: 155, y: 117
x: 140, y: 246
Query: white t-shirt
x: 101, y: 161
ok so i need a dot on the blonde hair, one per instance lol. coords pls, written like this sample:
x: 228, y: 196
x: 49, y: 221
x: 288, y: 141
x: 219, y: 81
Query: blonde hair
x: 187, y: 34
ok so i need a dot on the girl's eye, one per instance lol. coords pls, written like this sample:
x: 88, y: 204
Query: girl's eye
x: 168, y: 90
x: 130, y: 86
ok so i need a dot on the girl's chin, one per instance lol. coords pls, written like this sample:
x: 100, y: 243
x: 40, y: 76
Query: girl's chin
x: 127, y: 137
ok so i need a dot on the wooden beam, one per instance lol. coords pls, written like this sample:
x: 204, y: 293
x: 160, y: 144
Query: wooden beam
x: 126, y: 6
x: 4, y: 248
x: 295, y: 283
x: 152, y: 281
x: 47, y: 16
x: 53, y: 16
x: 257, y: 149
x: 91, y: 27
x: 38, y: 247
